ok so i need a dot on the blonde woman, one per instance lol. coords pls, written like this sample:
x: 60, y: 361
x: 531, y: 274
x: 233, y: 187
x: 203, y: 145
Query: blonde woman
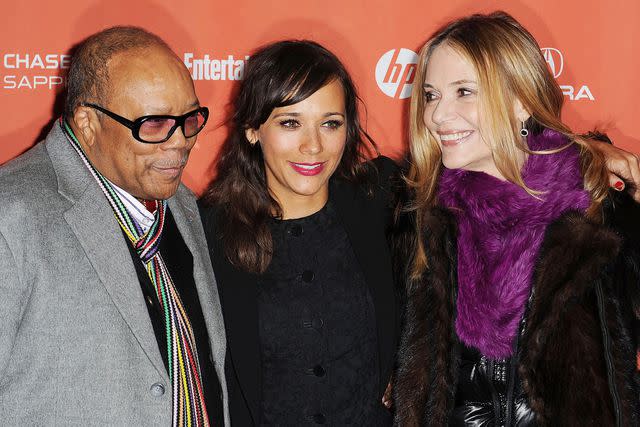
x: 523, y: 274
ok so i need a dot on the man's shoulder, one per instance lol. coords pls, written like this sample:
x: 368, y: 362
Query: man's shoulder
x: 28, y: 175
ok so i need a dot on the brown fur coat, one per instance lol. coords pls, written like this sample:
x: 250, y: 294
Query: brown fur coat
x: 584, y: 271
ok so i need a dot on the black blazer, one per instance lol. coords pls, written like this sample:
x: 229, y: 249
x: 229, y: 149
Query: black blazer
x: 365, y: 218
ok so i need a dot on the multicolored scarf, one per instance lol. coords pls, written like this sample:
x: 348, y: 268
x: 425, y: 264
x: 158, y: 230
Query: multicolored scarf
x: 189, y: 407
x: 500, y: 231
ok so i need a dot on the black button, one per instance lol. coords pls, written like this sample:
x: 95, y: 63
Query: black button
x: 315, y: 323
x: 319, y: 418
x: 308, y: 276
x: 149, y: 301
x: 296, y: 230
x: 318, y: 371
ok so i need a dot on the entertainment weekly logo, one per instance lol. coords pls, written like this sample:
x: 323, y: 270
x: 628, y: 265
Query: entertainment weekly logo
x: 208, y: 68
x: 396, y: 71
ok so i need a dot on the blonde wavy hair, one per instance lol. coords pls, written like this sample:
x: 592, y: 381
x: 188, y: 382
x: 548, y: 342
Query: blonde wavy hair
x: 510, y: 67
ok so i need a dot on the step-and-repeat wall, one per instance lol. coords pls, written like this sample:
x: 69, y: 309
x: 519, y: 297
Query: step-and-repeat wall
x: 591, y: 46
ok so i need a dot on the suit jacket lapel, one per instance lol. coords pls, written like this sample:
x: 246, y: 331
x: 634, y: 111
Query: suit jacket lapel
x: 92, y: 220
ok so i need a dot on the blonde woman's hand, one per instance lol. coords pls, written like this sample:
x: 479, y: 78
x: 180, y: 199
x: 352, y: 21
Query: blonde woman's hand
x: 623, y: 166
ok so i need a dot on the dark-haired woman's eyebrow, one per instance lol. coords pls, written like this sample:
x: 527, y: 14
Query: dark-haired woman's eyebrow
x: 294, y: 114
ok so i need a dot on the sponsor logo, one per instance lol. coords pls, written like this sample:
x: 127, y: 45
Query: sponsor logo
x: 395, y: 72
x: 26, y: 61
x: 575, y: 93
x: 33, y: 71
x: 207, y: 68
x: 555, y: 61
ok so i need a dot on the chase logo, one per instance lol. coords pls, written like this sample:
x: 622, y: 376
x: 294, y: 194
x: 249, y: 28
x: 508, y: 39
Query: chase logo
x: 33, y: 71
x: 554, y: 59
x: 395, y: 72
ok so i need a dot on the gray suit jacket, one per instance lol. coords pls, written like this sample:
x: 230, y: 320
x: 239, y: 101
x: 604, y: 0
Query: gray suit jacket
x: 76, y: 343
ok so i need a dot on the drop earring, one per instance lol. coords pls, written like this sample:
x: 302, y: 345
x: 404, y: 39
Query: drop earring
x: 523, y: 130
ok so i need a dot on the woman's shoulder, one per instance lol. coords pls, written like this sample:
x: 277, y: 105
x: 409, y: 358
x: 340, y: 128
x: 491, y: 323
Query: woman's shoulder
x: 206, y: 208
x: 370, y: 184
x: 383, y: 171
x: 209, y: 215
x: 380, y: 177
x: 385, y: 165
x: 607, y: 246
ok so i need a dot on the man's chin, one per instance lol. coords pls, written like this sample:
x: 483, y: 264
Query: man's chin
x: 162, y: 191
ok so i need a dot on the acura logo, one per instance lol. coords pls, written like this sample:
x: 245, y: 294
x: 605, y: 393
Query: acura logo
x: 554, y: 60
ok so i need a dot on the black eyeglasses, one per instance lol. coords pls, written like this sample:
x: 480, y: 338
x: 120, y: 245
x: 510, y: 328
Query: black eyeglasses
x: 157, y: 129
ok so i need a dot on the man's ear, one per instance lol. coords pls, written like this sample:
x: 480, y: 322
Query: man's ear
x: 85, y: 124
x: 252, y: 135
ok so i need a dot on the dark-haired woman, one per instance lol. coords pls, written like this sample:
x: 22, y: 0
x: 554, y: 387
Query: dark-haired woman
x: 296, y: 226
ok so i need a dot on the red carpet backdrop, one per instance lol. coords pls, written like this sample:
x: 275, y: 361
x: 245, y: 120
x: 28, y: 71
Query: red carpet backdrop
x: 592, y: 47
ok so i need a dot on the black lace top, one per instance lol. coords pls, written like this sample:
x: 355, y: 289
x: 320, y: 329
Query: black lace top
x: 317, y: 328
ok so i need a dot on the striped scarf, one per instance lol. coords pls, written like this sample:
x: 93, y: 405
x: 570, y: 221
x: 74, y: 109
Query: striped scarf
x: 184, y: 368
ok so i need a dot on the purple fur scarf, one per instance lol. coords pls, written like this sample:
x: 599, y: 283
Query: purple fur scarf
x: 500, y: 230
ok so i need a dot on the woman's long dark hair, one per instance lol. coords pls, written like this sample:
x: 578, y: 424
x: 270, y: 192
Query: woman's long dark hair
x: 279, y: 74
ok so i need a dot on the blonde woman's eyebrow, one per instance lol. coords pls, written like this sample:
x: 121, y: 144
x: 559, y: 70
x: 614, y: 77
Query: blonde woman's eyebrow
x: 457, y: 82
x: 461, y: 82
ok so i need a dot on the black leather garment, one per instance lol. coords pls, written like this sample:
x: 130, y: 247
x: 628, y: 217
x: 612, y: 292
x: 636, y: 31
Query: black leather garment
x: 489, y: 393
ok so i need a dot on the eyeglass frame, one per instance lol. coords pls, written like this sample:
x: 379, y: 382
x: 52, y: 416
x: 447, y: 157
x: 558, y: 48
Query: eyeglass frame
x: 134, y: 125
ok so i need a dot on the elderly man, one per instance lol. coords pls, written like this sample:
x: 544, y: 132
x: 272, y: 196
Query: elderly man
x: 109, y: 307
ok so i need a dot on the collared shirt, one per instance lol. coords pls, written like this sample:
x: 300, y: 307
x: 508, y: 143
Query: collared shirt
x: 138, y: 211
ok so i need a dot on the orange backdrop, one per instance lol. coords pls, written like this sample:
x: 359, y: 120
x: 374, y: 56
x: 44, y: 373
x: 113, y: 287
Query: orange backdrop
x: 592, y: 46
